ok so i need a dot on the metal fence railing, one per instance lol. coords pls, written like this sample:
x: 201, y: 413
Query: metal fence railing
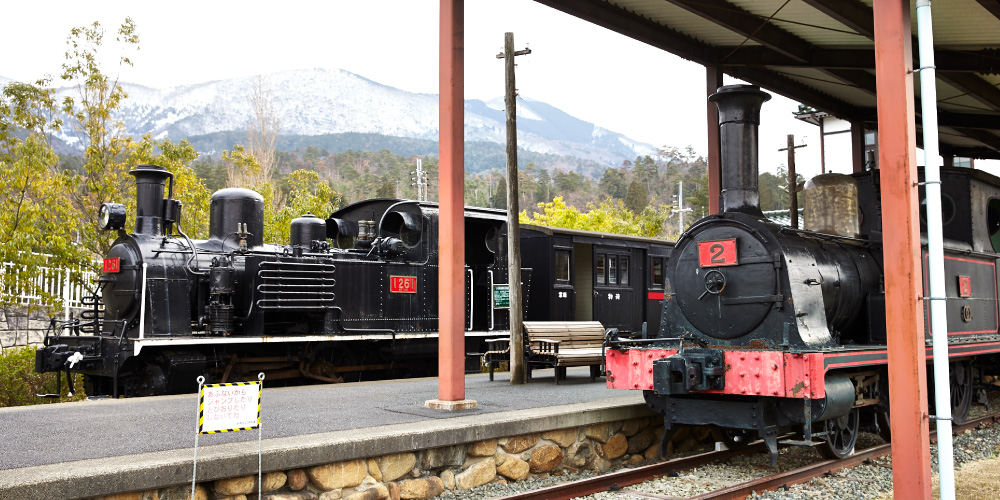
x: 66, y: 286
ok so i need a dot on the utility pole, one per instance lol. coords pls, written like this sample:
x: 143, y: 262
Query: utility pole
x: 517, y: 368
x: 793, y: 188
x: 420, y: 181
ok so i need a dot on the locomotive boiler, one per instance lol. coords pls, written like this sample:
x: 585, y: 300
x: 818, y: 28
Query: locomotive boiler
x: 772, y: 329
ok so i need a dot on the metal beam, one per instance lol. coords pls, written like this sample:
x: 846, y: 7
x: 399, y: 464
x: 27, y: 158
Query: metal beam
x: 851, y: 13
x: 636, y: 27
x: 990, y: 140
x: 911, y: 471
x: 993, y: 6
x: 451, y: 239
x: 749, y: 25
x: 976, y: 87
x: 797, y: 91
x: 985, y: 61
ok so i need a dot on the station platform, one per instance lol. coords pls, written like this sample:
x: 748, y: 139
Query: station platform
x: 76, y: 450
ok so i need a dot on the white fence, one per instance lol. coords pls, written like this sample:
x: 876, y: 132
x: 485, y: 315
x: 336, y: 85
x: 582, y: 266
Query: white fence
x: 55, y: 282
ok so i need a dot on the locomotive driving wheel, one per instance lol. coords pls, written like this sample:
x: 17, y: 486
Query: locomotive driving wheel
x: 960, y: 376
x: 842, y: 434
x: 734, y: 439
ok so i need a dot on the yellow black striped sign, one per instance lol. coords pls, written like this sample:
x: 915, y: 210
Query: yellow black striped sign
x: 229, y: 407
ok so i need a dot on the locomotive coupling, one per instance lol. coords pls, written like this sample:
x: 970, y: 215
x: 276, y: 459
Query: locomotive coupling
x: 691, y: 370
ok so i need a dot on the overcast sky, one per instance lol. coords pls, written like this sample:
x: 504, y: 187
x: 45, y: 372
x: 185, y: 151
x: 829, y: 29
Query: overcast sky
x: 587, y: 71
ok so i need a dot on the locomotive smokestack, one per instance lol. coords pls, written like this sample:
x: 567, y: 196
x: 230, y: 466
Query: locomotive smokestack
x: 739, y: 117
x: 149, y: 183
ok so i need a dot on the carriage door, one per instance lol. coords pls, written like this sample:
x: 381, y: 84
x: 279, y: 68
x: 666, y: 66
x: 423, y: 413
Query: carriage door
x: 656, y: 290
x: 614, y: 297
x: 562, y: 296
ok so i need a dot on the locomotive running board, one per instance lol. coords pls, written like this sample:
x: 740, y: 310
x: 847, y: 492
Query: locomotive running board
x: 237, y: 339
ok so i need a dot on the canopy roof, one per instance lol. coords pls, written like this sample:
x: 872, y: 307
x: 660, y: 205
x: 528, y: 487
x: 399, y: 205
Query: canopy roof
x: 822, y: 54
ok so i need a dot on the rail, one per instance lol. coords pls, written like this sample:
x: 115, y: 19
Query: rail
x: 625, y: 477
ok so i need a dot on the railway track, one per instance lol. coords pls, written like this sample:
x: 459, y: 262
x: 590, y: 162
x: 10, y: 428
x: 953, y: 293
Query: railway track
x: 616, y: 481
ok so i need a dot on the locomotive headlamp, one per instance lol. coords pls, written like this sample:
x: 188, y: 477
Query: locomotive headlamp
x: 111, y: 216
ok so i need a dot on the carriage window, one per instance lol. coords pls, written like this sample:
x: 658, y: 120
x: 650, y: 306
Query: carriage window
x: 612, y: 272
x: 600, y: 269
x: 624, y: 270
x: 562, y: 266
x: 993, y: 222
x: 657, y: 272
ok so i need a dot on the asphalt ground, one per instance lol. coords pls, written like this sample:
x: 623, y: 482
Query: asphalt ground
x: 99, y: 429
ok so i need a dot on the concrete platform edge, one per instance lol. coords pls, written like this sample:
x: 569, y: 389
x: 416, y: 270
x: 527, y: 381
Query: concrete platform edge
x: 89, y: 478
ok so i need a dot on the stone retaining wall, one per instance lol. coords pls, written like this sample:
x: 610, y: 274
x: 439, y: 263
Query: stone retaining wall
x: 424, y: 474
x: 20, y: 328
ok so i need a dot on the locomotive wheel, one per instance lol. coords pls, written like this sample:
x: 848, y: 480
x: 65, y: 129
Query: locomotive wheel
x: 841, y: 437
x: 884, y: 431
x: 734, y: 439
x: 960, y: 375
x: 151, y: 381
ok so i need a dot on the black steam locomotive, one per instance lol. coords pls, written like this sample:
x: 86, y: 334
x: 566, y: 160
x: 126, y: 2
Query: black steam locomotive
x: 354, y: 295
x: 772, y: 328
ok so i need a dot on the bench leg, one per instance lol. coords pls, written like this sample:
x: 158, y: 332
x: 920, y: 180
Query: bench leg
x: 560, y: 373
x: 595, y: 371
x: 491, y: 370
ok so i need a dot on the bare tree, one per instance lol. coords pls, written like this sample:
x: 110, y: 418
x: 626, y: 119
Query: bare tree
x: 262, y: 139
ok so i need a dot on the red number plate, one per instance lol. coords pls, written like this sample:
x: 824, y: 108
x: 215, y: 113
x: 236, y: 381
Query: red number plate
x: 965, y: 286
x: 717, y: 253
x: 111, y: 265
x: 403, y: 284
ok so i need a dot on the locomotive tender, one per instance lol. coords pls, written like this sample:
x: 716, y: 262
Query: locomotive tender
x: 356, y: 293
x: 771, y: 329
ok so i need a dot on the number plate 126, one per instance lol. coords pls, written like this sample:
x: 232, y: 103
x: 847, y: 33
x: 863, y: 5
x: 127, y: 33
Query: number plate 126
x: 717, y: 253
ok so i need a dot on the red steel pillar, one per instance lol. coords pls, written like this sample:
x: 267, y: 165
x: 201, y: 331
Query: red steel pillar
x: 911, y: 461
x: 713, y: 80
x: 451, y: 197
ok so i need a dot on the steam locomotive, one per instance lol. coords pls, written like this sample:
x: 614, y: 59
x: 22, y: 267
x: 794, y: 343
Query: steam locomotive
x: 354, y: 295
x: 771, y: 329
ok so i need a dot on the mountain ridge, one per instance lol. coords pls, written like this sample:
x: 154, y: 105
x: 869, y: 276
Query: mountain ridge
x: 318, y: 102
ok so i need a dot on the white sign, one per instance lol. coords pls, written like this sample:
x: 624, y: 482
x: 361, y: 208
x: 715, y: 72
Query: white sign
x: 229, y: 407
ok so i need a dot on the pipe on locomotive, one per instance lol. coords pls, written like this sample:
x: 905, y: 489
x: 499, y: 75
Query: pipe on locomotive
x: 739, y: 117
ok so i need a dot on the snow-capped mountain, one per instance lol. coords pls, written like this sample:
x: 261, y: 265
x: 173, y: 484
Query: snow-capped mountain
x: 319, y: 101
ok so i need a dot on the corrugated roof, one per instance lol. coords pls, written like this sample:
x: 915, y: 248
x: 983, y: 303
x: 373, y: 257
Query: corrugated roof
x: 821, y: 53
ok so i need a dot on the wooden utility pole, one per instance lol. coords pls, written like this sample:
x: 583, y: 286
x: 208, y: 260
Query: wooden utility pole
x: 793, y: 187
x: 517, y: 368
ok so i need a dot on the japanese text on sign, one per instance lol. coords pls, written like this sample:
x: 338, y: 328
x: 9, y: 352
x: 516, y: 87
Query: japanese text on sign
x: 403, y: 284
x: 501, y: 296
x: 229, y: 407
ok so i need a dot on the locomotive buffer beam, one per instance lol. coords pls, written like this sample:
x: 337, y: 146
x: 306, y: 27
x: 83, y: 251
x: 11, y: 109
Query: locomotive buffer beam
x: 693, y: 370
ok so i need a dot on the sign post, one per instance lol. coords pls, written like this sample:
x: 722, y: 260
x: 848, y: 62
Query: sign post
x: 228, y: 408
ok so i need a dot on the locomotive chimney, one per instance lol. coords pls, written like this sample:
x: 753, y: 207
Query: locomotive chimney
x: 149, y: 183
x: 739, y: 117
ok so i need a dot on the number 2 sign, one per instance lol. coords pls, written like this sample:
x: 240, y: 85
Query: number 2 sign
x: 717, y: 253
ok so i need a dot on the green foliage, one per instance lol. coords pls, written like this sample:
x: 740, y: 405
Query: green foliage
x: 610, y: 216
x: 307, y: 194
x: 19, y: 383
x: 636, y: 198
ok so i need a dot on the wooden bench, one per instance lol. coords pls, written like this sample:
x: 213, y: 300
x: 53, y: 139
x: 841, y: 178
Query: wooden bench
x: 559, y: 344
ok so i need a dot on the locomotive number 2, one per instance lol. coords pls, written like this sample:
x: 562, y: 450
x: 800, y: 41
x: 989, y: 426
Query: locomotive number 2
x: 717, y: 253
x: 403, y: 284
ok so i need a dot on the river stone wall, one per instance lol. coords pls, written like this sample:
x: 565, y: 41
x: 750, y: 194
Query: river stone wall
x: 424, y: 474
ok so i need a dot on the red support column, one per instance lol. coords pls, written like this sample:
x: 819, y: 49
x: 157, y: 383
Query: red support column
x: 451, y: 216
x: 911, y: 469
x: 713, y: 80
